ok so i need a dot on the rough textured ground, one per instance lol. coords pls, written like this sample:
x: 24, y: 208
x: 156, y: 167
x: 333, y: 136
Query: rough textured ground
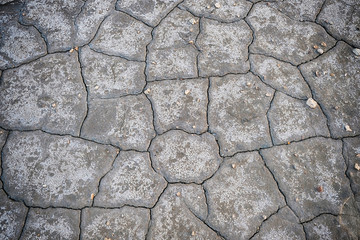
x: 180, y: 119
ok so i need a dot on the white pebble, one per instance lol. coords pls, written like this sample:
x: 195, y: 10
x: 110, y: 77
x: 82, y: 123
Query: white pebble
x: 356, y: 51
x: 319, y: 50
x: 347, y: 128
x: 311, y: 103
x: 217, y: 5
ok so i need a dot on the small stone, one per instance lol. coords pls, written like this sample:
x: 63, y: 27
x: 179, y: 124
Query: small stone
x: 191, y: 42
x: 79, y: 95
x: 320, y: 51
x: 178, y: 194
x: 107, y: 223
x: 193, y: 233
x: 194, y: 127
x: 96, y: 87
x: 154, y: 63
x: 53, y: 105
x: 347, y: 128
x: 332, y: 74
x: 358, y: 155
x: 357, y: 166
x: 320, y: 189
x: 76, y: 48
x: 288, y: 143
x: 356, y: 51
x: 92, y: 196
x: 71, y: 50
x: 311, y: 103
x: 44, y: 185
x: 296, y: 155
x: 248, y: 84
x: 264, y: 217
x: 317, y: 73
x: 147, y: 91
x: 217, y: 5
x: 316, y: 47
x: 323, y: 44
x: 208, y: 6
x: 233, y: 165
x: 268, y: 94
x: 187, y: 91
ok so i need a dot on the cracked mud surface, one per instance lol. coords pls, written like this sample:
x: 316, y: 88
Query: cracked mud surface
x: 179, y: 119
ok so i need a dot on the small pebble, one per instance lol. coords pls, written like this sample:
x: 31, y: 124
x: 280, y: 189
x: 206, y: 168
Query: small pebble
x: 76, y: 48
x: 320, y: 51
x: 268, y: 94
x: 358, y: 155
x: 191, y: 42
x: 336, y: 107
x: 347, y: 128
x: 53, y: 105
x: 147, y: 91
x: 356, y: 51
x: 248, y: 84
x: 194, y: 127
x: 311, y: 103
x: 317, y: 73
x: 208, y: 6
x: 357, y: 166
x: 44, y: 185
x: 79, y: 95
x: 320, y: 189
x: 233, y: 165
x: 217, y: 5
x: 264, y: 217
x: 71, y: 50
x: 193, y: 233
x: 315, y: 46
x: 332, y: 74
x: 92, y: 196
x: 323, y: 44
x: 296, y: 155
x: 187, y: 91
x: 192, y: 21
x: 153, y: 63
x: 178, y: 194
x: 107, y: 223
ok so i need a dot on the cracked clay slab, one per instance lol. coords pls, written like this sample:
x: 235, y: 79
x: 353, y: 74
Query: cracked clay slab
x: 292, y: 120
x: 184, y: 157
x: 179, y: 104
x: 125, y: 122
x: 19, y: 44
x: 282, y: 76
x: 124, y: 223
x: 352, y: 157
x: 237, y: 112
x: 123, y: 36
x: 240, y: 194
x: 222, y: 10
x: 3, y: 137
x: 342, y: 20
x: 50, y: 170
x: 131, y: 181
x: 336, y: 87
x: 223, y: 47
x: 109, y: 76
x: 311, y: 176
x: 328, y: 226
x: 281, y: 226
x: 151, y: 11
x: 46, y: 94
x: 179, y: 214
x: 12, y: 217
x: 55, y: 20
x: 89, y: 19
x: 283, y: 38
x: 52, y: 223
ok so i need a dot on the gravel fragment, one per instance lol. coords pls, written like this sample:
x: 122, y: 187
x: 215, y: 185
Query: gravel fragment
x: 311, y: 103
